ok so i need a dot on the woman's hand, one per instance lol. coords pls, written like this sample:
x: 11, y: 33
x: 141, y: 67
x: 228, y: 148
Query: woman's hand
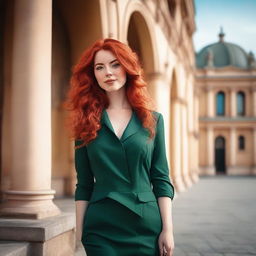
x: 78, y: 234
x: 78, y: 241
x: 166, y: 243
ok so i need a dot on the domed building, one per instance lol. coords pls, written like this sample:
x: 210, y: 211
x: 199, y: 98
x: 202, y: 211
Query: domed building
x: 226, y: 89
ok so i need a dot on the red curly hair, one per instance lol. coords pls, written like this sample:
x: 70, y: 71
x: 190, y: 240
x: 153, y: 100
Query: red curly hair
x: 86, y: 100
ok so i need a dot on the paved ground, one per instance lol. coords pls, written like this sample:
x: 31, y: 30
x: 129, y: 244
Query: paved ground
x: 215, y: 217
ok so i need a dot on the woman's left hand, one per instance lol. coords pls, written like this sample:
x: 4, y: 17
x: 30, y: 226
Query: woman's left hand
x: 166, y: 243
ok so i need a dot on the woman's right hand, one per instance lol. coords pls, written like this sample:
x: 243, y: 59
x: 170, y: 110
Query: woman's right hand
x: 78, y: 239
x: 78, y: 234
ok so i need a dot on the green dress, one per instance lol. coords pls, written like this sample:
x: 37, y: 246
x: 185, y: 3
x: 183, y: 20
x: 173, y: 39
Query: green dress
x: 122, y: 179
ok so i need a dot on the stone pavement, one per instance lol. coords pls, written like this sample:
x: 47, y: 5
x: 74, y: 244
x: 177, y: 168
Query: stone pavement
x: 215, y: 217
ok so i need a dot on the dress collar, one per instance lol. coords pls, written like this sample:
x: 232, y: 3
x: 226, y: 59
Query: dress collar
x: 133, y: 126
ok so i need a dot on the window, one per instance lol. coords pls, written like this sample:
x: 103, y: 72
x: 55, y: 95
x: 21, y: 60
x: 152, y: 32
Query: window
x: 220, y: 104
x: 220, y: 143
x: 241, y: 143
x: 240, y: 103
x: 172, y: 7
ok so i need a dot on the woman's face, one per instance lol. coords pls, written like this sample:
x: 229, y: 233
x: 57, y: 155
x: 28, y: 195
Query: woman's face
x: 110, y: 75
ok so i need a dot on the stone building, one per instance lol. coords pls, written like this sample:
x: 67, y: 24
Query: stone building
x: 40, y: 42
x: 226, y: 83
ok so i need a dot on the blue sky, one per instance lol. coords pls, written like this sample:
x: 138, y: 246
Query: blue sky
x: 237, y: 17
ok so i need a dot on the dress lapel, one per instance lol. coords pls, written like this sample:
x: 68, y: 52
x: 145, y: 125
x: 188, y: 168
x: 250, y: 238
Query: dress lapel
x: 132, y: 127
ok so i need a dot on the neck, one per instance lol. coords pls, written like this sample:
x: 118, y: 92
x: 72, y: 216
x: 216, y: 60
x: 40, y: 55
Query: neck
x: 118, y: 99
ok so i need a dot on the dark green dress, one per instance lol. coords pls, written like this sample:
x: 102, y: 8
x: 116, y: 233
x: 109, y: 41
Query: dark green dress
x: 122, y: 179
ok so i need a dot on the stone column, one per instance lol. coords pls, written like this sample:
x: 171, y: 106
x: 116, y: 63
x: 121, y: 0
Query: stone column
x: 193, y: 148
x: 184, y: 146
x: 210, y: 151
x: 112, y: 19
x: 30, y: 194
x: 232, y: 149
x: 176, y: 146
x: 160, y: 91
x: 210, y: 102
x: 254, y: 152
x: 233, y: 107
x: 254, y: 101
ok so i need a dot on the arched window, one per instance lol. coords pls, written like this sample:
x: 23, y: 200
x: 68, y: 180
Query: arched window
x: 220, y: 142
x: 240, y: 103
x: 220, y: 104
x: 241, y: 143
x: 172, y: 7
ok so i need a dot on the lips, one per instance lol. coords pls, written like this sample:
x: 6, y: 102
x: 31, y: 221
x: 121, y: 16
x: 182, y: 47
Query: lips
x: 109, y: 81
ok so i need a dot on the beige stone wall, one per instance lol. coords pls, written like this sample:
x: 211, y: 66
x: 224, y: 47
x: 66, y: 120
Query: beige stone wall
x: 245, y: 157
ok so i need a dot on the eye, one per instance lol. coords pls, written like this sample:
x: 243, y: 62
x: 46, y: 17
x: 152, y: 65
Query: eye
x: 99, y: 68
x: 115, y: 65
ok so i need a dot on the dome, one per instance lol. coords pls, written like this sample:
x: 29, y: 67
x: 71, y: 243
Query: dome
x: 222, y: 54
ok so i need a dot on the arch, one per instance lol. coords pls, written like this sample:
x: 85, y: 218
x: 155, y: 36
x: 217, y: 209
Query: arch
x: 220, y: 155
x: 6, y: 58
x: 61, y: 59
x: 82, y: 20
x: 135, y: 31
x: 75, y: 27
x: 240, y: 107
x: 2, y: 22
x: 220, y: 103
x: 172, y: 7
x: 241, y: 142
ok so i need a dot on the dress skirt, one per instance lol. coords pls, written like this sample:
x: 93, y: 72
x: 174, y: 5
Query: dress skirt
x: 112, y: 229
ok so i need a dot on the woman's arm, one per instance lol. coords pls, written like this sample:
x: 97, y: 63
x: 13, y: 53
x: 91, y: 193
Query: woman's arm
x: 81, y: 207
x: 159, y: 170
x: 84, y: 187
x: 163, y: 189
x: 166, y: 239
x: 165, y: 205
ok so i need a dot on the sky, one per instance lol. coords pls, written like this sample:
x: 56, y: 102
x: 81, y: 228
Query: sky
x: 237, y: 17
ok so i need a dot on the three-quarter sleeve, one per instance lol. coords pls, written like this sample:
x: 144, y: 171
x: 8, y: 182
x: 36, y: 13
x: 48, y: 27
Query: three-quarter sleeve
x: 85, y: 178
x: 159, y: 171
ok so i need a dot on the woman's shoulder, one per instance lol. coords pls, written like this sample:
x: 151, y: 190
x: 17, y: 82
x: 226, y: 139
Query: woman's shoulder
x: 156, y: 114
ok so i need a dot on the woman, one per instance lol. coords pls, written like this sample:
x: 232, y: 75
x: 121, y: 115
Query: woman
x: 119, y: 156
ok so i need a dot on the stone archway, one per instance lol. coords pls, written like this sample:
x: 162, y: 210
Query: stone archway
x: 2, y: 7
x: 137, y: 35
x: 220, y: 156
x: 75, y: 27
x: 6, y: 52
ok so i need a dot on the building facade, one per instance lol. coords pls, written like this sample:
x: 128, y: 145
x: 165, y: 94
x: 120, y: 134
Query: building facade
x: 226, y: 82
x: 42, y: 40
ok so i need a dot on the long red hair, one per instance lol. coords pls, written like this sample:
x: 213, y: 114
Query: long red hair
x: 86, y: 100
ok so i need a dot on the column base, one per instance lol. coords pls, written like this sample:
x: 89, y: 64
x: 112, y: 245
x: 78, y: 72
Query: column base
x: 51, y: 236
x: 29, y: 204
x: 207, y: 170
x: 194, y: 176
x: 187, y: 181
x: 179, y: 185
x: 238, y: 170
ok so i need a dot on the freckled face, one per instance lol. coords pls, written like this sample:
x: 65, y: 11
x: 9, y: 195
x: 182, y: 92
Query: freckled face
x: 109, y: 73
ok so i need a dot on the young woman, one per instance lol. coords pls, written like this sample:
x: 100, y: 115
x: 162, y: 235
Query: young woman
x: 123, y: 193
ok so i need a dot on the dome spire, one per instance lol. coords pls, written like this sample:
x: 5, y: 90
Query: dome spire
x: 221, y: 35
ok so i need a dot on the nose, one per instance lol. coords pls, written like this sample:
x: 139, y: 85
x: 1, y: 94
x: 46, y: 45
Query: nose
x: 108, y: 72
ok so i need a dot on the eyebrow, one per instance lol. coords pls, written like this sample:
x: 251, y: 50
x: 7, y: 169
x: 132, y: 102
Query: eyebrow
x: 103, y: 64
